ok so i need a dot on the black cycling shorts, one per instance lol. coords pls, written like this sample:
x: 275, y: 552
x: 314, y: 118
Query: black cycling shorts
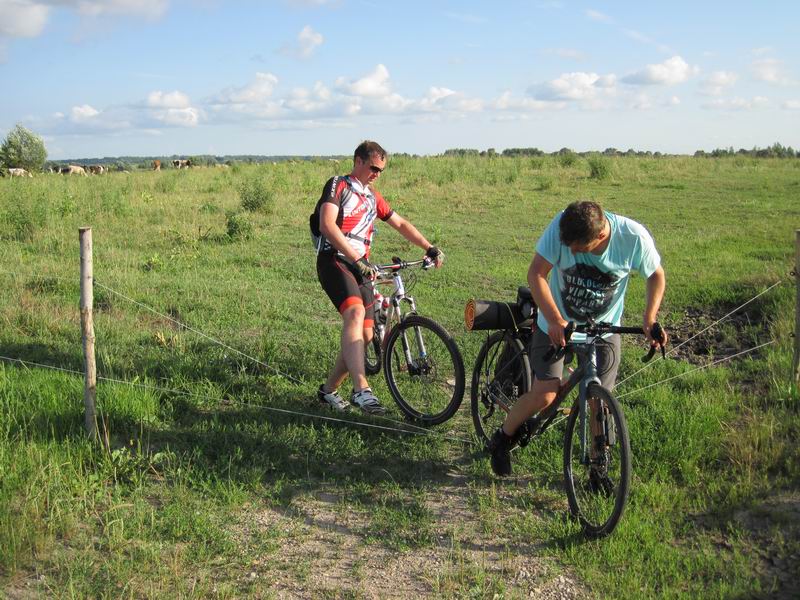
x: 344, y: 285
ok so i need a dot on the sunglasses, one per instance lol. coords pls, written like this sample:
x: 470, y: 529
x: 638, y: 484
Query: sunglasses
x: 376, y: 170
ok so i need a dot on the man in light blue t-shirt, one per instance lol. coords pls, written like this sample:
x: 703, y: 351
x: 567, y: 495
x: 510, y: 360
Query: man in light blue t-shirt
x: 580, y: 269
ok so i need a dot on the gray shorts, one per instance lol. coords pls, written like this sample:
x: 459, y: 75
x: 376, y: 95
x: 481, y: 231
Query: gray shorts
x: 608, y: 356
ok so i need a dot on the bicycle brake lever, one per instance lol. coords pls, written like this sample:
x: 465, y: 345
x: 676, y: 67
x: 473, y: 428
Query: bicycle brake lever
x: 657, y: 333
x: 558, y: 353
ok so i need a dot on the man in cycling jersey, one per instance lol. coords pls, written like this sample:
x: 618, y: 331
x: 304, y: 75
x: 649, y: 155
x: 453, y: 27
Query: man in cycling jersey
x: 588, y: 255
x: 343, y: 224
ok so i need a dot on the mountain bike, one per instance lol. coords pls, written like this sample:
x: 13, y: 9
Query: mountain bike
x: 597, y: 453
x: 421, y: 362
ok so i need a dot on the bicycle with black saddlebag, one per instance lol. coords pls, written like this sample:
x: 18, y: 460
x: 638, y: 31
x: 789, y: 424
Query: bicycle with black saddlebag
x: 596, y: 447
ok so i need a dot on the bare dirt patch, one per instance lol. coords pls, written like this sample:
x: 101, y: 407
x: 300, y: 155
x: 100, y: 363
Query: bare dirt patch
x: 323, y: 550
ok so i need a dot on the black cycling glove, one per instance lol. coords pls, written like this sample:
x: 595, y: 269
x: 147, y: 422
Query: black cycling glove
x: 434, y: 253
x: 364, y: 268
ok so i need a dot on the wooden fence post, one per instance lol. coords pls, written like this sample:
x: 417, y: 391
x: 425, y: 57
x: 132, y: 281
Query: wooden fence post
x: 87, y: 331
x: 796, y: 361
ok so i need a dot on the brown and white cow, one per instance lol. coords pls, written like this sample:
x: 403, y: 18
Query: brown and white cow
x: 156, y: 165
x: 73, y: 170
x: 96, y: 169
x: 17, y: 172
x: 182, y: 164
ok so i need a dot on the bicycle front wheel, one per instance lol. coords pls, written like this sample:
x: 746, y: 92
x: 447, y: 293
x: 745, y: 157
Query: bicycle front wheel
x: 597, y: 483
x: 501, y: 375
x: 424, y: 370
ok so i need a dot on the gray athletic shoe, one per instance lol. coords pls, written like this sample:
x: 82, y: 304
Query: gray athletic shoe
x: 332, y: 399
x: 366, y: 401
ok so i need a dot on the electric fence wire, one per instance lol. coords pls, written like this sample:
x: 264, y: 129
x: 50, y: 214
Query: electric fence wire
x: 415, y: 431
x: 421, y: 430
x: 699, y: 333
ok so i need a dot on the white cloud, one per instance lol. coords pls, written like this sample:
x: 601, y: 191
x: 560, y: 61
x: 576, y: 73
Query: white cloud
x: 737, y: 103
x: 770, y: 70
x: 151, y: 9
x: 28, y: 18
x: 19, y: 18
x: 595, y: 15
x: 507, y: 102
x: 307, y: 42
x: 257, y: 92
x: 791, y: 105
x: 159, y: 99
x: 672, y: 71
x: 718, y: 82
x: 373, y: 85
x: 80, y: 114
x: 172, y: 108
x: 178, y: 117
x: 576, y: 86
x: 446, y: 100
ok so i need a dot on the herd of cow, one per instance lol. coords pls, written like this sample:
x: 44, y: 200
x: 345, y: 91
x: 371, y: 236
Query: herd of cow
x: 87, y: 170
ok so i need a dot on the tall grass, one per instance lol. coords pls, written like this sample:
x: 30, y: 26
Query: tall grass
x: 172, y: 507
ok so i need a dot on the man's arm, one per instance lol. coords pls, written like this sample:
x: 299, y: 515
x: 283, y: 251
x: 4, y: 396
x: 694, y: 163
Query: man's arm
x: 656, y: 284
x: 328, y: 213
x: 411, y: 233
x: 540, y: 289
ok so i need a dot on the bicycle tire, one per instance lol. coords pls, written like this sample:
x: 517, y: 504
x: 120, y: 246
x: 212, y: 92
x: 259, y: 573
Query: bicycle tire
x: 598, y: 493
x: 431, y: 388
x: 495, y: 387
x: 372, y: 356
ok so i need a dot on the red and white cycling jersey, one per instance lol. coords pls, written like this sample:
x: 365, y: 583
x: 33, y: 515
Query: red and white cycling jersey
x: 359, y: 206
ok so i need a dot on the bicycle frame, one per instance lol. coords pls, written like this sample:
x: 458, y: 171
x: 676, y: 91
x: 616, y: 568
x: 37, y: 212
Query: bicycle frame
x: 392, y: 274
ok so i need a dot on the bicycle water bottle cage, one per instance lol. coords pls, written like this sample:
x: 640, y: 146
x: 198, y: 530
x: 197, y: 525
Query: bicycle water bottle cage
x: 657, y: 333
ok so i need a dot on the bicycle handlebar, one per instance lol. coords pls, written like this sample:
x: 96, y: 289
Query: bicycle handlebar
x: 399, y: 264
x: 598, y: 329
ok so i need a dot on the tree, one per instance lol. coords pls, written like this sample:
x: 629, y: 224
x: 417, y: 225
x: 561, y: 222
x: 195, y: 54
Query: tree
x: 23, y: 148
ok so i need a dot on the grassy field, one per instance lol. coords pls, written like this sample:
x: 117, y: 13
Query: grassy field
x: 206, y: 491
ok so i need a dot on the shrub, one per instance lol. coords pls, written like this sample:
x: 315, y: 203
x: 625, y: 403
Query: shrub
x: 23, y: 148
x: 567, y: 159
x: 256, y: 195
x: 238, y: 227
x: 599, y: 167
x: 545, y: 182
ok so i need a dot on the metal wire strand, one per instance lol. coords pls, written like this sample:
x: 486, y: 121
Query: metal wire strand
x: 676, y: 348
x: 414, y: 431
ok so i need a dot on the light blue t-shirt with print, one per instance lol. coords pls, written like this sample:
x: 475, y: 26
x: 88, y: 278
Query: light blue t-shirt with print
x: 591, y: 285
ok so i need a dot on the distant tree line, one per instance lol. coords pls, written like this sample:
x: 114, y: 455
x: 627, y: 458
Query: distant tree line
x: 774, y: 151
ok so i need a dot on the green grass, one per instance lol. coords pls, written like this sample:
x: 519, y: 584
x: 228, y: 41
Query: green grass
x: 203, y: 491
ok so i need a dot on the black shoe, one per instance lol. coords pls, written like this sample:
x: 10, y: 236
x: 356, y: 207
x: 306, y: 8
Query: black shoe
x: 500, y: 449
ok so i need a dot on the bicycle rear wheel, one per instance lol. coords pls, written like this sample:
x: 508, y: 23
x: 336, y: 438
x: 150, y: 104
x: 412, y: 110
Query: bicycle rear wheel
x: 501, y: 375
x: 597, y: 487
x: 424, y: 370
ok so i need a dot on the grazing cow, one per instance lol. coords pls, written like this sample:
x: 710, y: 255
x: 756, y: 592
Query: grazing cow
x: 73, y: 170
x: 15, y: 172
x: 181, y: 164
x: 96, y: 169
x: 156, y: 165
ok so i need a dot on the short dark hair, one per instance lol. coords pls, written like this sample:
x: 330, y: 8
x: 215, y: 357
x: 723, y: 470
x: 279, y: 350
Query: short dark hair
x: 581, y: 222
x: 367, y: 148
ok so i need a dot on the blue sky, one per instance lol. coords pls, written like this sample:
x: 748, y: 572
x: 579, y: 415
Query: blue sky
x: 159, y: 77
